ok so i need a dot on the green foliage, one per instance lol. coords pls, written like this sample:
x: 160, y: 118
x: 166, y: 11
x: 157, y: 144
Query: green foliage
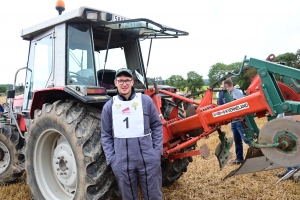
x: 218, y: 70
x: 158, y: 80
x: 244, y: 79
x: 20, y: 88
x: 290, y: 59
x: 297, y: 62
x: 234, y: 66
x: 177, y: 81
x: 3, y: 89
x: 194, y: 81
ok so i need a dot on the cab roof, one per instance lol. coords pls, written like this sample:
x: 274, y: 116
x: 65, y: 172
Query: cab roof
x: 144, y: 28
x: 76, y: 15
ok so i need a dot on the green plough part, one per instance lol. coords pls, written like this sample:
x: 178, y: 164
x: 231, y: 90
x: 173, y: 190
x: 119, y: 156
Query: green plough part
x: 3, y: 119
x: 222, y: 151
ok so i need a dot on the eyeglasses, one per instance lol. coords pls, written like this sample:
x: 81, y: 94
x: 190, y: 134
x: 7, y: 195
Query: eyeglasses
x: 121, y: 82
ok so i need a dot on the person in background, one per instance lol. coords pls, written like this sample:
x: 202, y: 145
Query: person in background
x: 237, y: 126
x: 186, y: 104
x: 220, y: 96
x: 1, y: 110
x: 132, y: 140
x: 173, y: 98
x: 237, y: 86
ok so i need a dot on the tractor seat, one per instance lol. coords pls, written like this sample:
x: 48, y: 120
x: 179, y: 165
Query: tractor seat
x: 108, y: 78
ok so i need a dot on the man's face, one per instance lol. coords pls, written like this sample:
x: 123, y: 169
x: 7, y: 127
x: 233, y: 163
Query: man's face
x: 189, y: 92
x: 124, y: 84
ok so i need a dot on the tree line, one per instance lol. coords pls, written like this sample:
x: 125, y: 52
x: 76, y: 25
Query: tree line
x: 195, y: 82
x: 218, y: 70
x: 4, y: 87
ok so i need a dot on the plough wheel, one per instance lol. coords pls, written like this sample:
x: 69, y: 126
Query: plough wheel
x: 286, y: 132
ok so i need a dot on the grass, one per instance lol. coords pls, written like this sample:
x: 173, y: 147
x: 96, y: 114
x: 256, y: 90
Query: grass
x: 203, y: 180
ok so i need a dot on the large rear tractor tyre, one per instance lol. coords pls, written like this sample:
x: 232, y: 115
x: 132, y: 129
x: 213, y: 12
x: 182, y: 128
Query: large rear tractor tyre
x: 64, y: 156
x: 11, y: 160
x: 171, y: 171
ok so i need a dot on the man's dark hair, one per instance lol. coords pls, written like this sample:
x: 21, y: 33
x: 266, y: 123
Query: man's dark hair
x: 229, y: 82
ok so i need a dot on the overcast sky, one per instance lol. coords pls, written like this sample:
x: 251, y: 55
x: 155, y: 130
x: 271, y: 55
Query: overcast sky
x: 219, y: 31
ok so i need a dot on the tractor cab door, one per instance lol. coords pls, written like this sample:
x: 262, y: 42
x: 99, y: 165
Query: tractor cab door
x: 40, y: 66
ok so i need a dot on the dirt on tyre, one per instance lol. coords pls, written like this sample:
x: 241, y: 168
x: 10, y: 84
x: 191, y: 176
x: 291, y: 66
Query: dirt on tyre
x: 171, y: 171
x: 11, y: 158
x: 64, y: 156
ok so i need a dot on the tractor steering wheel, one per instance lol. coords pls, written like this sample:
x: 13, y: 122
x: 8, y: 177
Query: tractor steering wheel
x: 79, y: 78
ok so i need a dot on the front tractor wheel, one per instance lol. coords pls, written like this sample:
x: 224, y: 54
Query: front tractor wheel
x: 11, y: 158
x: 64, y: 157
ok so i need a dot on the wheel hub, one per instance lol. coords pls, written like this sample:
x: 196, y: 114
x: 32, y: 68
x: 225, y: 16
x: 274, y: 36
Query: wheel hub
x: 4, y: 158
x: 64, y: 165
x: 285, y: 132
x: 1, y: 154
x: 55, y: 166
x: 286, y: 142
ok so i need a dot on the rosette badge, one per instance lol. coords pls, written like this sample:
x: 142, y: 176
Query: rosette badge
x: 134, y: 105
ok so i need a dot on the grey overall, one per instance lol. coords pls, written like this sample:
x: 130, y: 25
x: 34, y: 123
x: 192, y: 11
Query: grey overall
x: 135, y: 159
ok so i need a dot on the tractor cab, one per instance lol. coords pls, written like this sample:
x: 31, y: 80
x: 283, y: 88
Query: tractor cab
x: 79, y: 52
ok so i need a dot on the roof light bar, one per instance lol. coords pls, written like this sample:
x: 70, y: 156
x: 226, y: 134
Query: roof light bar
x: 91, y: 15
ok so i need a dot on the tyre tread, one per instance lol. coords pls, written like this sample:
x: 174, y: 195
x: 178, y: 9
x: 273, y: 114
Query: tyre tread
x: 84, y: 122
x: 15, y: 144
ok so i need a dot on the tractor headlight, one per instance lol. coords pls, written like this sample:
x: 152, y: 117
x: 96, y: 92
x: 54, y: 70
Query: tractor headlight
x: 91, y: 15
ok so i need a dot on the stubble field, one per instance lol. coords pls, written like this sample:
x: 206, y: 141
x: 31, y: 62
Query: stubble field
x: 2, y: 99
x: 203, y: 180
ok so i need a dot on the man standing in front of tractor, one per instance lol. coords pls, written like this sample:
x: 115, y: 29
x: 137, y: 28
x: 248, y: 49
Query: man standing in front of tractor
x: 237, y: 126
x: 132, y: 140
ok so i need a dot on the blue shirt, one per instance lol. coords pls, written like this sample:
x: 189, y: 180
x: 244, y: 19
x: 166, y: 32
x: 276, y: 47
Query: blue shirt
x: 236, y: 94
x: 221, y: 99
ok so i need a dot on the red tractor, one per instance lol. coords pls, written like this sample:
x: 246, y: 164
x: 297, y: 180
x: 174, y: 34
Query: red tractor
x: 55, y: 125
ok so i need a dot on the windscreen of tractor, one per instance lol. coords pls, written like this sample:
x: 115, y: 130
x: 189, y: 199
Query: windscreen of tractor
x: 124, y: 47
x: 122, y: 52
x: 80, y: 59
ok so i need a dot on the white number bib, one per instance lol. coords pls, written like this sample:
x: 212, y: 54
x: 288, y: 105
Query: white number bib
x: 128, y: 117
